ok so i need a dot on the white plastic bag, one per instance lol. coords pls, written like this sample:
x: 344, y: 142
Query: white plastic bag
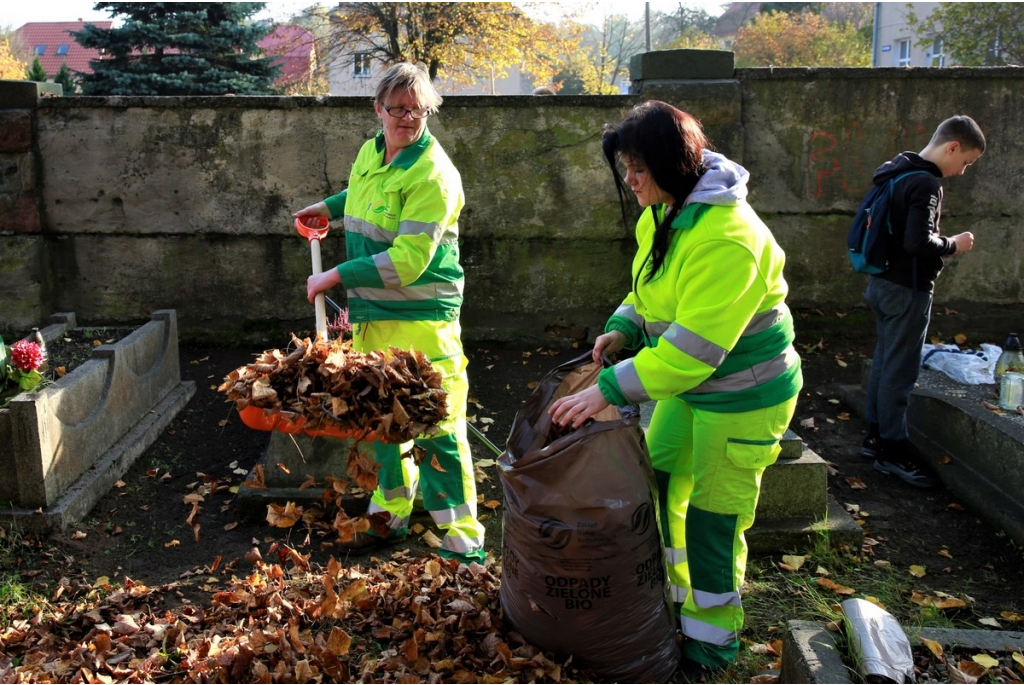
x: 971, y: 367
x: 879, y: 645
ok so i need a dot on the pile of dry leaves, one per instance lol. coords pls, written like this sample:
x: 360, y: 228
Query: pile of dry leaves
x: 390, y: 395
x: 423, y: 619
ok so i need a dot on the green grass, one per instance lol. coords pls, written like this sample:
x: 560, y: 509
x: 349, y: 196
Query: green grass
x: 773, y: 595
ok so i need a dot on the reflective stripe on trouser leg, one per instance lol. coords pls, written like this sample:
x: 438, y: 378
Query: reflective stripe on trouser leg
x: 396, y: 489
x: 712, y: 493
x: 669, y: 441
x: 449, y: 489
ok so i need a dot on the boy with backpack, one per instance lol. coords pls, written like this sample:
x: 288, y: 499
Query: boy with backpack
x: 900, y: 297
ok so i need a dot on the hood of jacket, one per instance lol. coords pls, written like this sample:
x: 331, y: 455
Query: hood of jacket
x: 902, y: 163
x: 724, y: 182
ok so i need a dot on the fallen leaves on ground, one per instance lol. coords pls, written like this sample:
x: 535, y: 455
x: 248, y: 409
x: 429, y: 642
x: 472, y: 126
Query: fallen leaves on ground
x: 792, y: 562
x: 856, y: 483
x: 410, y: 619
x: 835, y: 587
x: 939, y: 600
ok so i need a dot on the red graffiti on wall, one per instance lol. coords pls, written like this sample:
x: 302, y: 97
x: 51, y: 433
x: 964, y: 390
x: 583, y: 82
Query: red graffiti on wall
x: 839, y: 156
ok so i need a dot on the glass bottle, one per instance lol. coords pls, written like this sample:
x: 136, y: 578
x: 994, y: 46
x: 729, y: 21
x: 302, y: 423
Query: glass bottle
x: 37, y: 337
x: 5, y: 359
x: 1012, y: 358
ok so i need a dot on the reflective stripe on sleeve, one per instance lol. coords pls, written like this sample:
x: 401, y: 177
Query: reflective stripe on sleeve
x: 629, y: 382
x: 433, y: 229
x: 628, y: 311
x: 656, y: 329
x: 386, y: 270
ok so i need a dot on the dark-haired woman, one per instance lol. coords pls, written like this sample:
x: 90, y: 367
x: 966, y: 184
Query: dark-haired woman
x: 707, y: 312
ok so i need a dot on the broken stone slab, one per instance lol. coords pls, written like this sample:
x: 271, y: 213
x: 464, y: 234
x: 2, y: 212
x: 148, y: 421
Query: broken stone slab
x: 810, y: 652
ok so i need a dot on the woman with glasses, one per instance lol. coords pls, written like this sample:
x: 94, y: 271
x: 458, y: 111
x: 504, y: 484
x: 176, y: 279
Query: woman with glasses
x: 707, y: 312
x: 404, y: 284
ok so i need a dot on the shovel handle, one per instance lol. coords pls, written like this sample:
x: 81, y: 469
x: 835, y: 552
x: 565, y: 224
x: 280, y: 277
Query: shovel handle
x: 313, y: 228
x: 319, y: 301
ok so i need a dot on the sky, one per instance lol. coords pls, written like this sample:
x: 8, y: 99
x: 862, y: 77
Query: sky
x: 14, y: 13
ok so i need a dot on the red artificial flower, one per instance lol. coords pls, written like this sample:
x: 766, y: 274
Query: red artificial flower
x: 26, y: 355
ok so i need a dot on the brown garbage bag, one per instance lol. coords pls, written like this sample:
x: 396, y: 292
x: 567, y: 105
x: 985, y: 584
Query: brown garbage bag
x: 583, y: 572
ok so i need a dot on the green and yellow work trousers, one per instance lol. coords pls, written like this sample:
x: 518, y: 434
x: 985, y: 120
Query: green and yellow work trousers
x: 445, y: 474
x: 708, y: 468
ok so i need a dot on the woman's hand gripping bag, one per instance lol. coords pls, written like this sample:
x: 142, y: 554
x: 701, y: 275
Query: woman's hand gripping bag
x: 583, y: 572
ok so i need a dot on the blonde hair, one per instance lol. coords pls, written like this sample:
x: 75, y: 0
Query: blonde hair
x: 412, y: 77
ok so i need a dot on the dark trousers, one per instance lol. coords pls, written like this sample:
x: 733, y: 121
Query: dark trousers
x: 901, y: 322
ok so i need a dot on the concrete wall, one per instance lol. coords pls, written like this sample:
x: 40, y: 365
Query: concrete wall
x: 115, y: 207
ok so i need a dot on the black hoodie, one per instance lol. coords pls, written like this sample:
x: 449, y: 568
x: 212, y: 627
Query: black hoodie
x: 915, y: 248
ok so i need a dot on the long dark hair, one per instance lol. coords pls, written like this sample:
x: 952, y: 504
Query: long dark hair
x: 670, y: 143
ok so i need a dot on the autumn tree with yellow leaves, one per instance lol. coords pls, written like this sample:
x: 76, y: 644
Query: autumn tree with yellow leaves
x: 10, y: 66
x: 800, y: 40
x: 453, y: 40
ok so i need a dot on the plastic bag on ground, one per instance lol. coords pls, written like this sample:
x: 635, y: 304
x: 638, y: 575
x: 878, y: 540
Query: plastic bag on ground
x: 583, y: 571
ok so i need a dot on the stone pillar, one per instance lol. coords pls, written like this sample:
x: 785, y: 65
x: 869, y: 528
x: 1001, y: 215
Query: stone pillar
x: 703, y: 83
x: 20, y: 200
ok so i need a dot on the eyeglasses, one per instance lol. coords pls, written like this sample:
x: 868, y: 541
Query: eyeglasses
x: 400, y: 112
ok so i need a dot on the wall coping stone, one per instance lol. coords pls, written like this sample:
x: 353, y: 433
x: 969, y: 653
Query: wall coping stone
x: 685, y: 63
x: 874, y: 73
x: 306, y: 102
x: 25, y: 94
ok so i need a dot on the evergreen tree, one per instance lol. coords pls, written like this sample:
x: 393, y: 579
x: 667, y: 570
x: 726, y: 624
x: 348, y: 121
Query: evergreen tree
x: 179, y: 48
x: 36, y: 71
x: 65, y: 79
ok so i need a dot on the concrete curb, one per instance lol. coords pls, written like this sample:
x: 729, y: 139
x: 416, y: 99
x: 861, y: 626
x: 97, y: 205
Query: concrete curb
x: 810, y: 653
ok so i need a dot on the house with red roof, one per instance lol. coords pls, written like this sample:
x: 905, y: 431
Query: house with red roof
x: 294, y: 51
x: 53, y: 44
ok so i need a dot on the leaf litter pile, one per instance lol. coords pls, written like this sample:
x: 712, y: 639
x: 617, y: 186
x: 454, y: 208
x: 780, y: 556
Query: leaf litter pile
x: 405, y: 620
x: 393, y: 395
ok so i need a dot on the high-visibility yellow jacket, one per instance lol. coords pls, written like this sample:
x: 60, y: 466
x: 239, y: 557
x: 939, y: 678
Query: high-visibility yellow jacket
x: 401, y: 234
x: 713, y: 323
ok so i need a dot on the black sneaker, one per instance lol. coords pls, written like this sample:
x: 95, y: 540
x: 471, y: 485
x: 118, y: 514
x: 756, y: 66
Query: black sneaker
x: 871, y: 448
x: 908, y: 472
